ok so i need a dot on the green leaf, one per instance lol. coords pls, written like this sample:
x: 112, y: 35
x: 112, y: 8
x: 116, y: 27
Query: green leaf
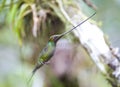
x: 57, y: 11
x: 12, y: 14
x: 2, y: 5
x: 23, y: 9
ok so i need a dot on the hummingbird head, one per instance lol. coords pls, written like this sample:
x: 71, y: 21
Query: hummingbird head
x: 55, y: 38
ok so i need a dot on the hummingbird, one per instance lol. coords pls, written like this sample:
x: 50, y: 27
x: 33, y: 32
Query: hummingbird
x: 48, y: 51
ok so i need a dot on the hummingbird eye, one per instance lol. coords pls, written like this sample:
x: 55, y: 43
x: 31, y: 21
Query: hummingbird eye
x: 54, y: 38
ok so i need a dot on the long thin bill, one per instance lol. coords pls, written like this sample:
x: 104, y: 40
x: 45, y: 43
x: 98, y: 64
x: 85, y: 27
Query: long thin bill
x: 78, y: 25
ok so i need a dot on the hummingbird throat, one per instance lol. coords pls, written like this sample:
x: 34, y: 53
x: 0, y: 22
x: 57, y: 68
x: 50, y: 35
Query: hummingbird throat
x: 51, y: 43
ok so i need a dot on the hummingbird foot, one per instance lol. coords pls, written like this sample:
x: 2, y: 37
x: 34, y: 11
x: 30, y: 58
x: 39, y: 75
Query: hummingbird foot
x: 47, y: 63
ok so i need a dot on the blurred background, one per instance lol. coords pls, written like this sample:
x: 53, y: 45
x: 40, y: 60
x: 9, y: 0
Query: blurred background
x: 70, y: 66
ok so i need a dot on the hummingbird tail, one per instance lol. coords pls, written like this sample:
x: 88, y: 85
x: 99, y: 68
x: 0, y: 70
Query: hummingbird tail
x: 31, y: 77
x: 33, y: 72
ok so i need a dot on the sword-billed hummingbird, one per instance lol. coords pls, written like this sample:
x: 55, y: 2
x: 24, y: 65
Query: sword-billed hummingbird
x: 49, y: 49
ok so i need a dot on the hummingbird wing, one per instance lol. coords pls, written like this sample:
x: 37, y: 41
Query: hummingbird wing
x: 46, y: 53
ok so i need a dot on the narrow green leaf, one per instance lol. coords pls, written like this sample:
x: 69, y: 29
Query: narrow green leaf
x: 2, y: 5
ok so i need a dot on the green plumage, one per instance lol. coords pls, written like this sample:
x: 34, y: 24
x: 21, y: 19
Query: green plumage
x: 47, y: 52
